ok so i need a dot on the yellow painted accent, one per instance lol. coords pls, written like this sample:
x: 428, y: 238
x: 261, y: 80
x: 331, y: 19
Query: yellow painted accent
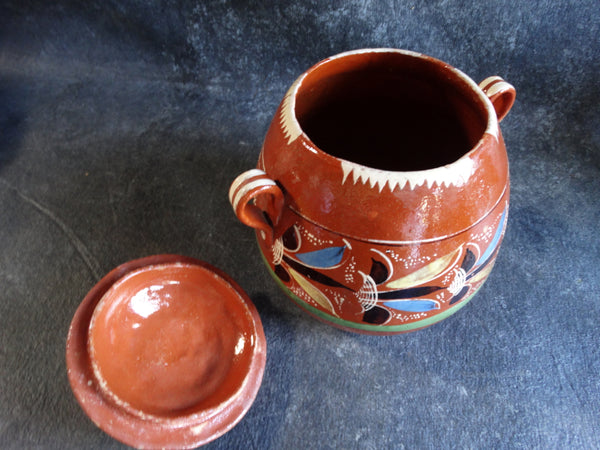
x: 312, y: 291
x: 426, y: 273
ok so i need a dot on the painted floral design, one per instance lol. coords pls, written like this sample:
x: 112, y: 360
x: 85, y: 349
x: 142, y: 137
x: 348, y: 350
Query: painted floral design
x: 357, y: 281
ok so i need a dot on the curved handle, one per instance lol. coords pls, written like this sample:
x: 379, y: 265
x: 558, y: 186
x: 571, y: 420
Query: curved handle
x: 257, y: 201
x: 501, y: 93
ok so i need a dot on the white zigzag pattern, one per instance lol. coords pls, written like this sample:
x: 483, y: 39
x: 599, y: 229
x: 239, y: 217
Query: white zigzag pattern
x: 457, y: 174
x: 291, y: 128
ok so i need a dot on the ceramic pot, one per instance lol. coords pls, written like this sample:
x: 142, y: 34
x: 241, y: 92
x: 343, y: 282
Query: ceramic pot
x: 381, y: 192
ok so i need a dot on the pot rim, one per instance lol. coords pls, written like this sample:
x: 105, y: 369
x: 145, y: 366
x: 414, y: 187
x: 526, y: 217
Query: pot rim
x: 455, y: 172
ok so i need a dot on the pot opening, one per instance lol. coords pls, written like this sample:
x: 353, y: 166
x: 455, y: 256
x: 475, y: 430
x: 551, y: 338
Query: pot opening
x: 390, y: 111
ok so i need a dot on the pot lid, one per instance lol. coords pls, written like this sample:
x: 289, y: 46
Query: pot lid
x: 166, y: 351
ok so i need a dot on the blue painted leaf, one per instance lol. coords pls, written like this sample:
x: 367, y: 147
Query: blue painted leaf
x: 327, y: 257
x: 494, y: 242
x: 312, y: 274
x: 413, y: 305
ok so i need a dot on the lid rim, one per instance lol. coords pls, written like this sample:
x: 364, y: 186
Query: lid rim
x: 184, y: 431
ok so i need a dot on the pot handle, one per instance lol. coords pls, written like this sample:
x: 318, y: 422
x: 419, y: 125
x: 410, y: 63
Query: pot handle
x: 501, y: 94
x: 257, y: 201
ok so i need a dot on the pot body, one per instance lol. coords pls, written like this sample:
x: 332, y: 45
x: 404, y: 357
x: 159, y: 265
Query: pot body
x: 381, y: 193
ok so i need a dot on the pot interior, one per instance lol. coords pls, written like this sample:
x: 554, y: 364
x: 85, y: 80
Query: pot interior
x: 390, y: 111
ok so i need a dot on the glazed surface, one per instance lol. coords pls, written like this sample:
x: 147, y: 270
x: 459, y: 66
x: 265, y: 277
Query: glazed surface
x: 383, y: 288
x: 164, y: 339
x: 438, y: 127
x: 166, y: 352
x: 396, y: 188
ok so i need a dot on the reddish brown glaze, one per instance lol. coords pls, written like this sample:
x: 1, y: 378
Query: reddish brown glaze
x: 166, y: 351
x: 395, y: 183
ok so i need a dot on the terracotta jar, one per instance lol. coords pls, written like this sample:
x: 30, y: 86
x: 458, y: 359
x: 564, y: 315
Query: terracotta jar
x: 381, y: 192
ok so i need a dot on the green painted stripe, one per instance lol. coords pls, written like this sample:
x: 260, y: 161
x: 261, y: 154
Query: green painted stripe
x: 364, y: 326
